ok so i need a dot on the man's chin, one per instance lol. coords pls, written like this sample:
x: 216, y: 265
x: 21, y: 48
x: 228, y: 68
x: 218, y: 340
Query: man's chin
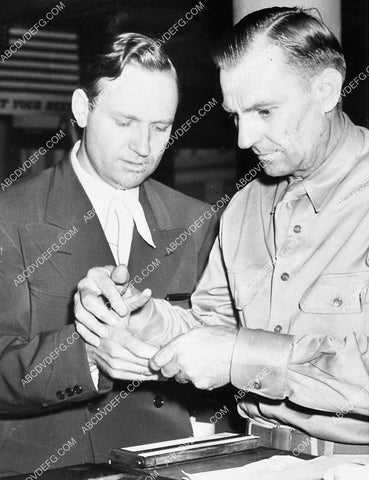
x: 130, y: 180
x: 276, y: 170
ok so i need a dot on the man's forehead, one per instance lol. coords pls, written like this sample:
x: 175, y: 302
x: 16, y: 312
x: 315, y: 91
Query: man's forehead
x: 260, y: 58
x: 135, y: 76
x: 259, y: 76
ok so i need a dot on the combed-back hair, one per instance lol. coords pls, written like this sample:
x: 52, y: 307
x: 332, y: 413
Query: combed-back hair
x: 307, y: 43
x: 121, y: 50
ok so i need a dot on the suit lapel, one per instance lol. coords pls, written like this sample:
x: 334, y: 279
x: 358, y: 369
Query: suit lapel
x: 68, y: 211
x: 71, y: 224
x: 142, y: 254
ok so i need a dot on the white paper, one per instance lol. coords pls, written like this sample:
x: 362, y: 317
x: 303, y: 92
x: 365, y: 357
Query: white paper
x: 279, y: 467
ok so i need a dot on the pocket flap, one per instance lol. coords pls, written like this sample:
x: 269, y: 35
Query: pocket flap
x: 336, y: 294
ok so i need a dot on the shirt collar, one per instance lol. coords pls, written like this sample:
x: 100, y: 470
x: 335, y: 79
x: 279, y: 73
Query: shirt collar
x: 98, y: 191
x: 324, y: 180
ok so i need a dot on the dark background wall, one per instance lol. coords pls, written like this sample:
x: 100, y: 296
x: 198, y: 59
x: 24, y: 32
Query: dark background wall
x: 205, y: 161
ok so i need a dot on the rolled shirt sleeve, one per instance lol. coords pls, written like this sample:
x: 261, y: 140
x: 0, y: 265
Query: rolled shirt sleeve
x: 315, y: 371
x: 260, y: 362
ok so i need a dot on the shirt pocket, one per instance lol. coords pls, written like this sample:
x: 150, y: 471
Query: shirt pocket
x: 245, y: 286
x: 334, y: 294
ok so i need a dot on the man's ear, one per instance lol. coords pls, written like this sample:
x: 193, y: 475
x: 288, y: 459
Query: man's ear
x: 80, y: 106
x: 327, y: 87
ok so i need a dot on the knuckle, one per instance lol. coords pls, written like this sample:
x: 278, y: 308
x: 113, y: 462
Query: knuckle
x: 81, y: 284
x: 92, y: 272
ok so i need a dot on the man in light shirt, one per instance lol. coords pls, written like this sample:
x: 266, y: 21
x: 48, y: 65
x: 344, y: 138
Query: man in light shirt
x: 98, y: 206
x: 292, y: 257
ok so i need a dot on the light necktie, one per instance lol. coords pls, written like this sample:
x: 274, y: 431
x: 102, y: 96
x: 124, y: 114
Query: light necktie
x: 125, y: 210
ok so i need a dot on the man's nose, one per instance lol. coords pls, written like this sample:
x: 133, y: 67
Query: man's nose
x: 140, y: 141
x: 248, y: 134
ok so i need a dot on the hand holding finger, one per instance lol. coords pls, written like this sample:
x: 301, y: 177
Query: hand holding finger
x: 118, y: 362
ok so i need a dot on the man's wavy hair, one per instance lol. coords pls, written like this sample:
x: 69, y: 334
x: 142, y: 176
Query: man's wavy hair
x: 121, y: 50
x: 307, y: 43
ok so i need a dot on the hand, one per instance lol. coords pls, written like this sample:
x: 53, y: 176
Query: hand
x: 119, y: 363
x: 114, y: 350
x: 90, y: 308
x: 347, y: 472
x: 202, y: 356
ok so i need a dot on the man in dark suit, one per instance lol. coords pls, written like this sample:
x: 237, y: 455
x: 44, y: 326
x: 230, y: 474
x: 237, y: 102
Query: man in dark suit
x: 98, y: 206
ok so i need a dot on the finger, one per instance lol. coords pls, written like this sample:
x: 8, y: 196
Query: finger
x: 87, y: 300
x: 118, y: 352
x: 138, y: 347
x: 170, y: 370
x: 90, y: 322
x: 118, y: 364
x: 181, y: 378
x: 123, y: 373
x: 164, y: 356
x: 87, y: 336
x: 106, y: 286
x: 138, y: 300
x: 120, y: 274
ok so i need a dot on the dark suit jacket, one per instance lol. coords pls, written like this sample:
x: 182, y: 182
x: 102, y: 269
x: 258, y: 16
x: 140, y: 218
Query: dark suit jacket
x: 37, y: 417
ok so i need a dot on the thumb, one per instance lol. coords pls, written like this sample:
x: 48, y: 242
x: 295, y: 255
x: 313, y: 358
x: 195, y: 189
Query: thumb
x: 163, y: 356
x: 138, y: 300
x: 120, y: 275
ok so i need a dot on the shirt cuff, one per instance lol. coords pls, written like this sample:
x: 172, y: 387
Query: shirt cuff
x: 94, y: 375
x: 259, y: 362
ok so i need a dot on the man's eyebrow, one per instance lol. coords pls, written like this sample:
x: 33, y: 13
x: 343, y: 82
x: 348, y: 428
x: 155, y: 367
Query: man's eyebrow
x: 256, y: 106
x: 125, y: 115
x: 168, y: 121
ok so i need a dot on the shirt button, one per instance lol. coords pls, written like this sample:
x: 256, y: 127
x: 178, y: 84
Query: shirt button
x: 158, y: 401
x: 337, y: 302
x: 297, y: 228
x: 285, y: 277
x: 277, y: 328
x: 60, y: 395
x: 257, y: 385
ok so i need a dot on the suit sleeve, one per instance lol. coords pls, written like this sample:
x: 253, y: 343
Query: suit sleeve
x: 38, y: 369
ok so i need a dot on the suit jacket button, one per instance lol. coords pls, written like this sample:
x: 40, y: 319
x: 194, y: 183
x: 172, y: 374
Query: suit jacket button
x: 69, y: 392
x: 158, y: 401
x: 60, y: 395
x: 77, y: 389
x: 92, y: 407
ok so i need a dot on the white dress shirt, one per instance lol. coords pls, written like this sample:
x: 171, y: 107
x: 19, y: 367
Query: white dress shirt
x: 117, y: 210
